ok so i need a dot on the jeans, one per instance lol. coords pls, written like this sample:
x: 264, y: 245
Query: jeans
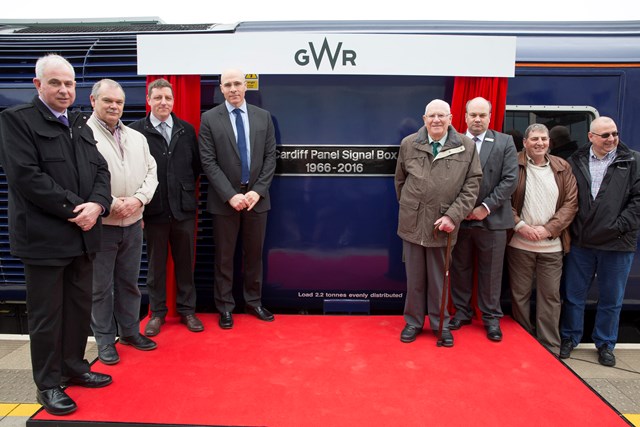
x: 612, y: 269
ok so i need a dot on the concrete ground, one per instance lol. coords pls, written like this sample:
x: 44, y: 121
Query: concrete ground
x: 620, y: 386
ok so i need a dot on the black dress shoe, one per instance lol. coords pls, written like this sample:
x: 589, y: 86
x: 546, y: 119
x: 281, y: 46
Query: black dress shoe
x: 90, y: 380
x: 153, y: 326
x: 55, y: 401
x: 139, y: 342
x: 606, y: 356
x: 226, y: 320
x: 455, y: 324
x: 494, y: 333
x: 108, y: 354
x: 409, y: 333
x: 193, y: 323
x: 261, y: 313
x: 566, y: 347
x: 447, y: 338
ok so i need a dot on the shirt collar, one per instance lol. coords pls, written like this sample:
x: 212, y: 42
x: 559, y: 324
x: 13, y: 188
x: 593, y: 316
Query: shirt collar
x: 531, y: 162
x: 104, y: 125
x: 57, y: 114
x: 480, y: 137
x: 441, y: 140
x: 230, y: 107
x: 609, y: 156
x: 156, y: 121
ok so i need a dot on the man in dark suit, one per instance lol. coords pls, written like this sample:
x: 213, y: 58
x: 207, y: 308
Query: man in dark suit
x: 484, y: 231
x: 58, y: 189
x: 170, y: 217
x: 238, y: 154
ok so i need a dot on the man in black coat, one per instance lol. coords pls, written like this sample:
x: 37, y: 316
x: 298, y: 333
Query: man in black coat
x: 59, y: 186
x: 170, y: 217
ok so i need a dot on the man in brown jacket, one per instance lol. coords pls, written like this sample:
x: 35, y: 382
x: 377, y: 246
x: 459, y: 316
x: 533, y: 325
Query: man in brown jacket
x: 437, y: 182
x: 544, y: 204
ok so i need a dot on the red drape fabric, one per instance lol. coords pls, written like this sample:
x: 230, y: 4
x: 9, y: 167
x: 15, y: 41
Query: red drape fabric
x: 493, y: 89
x: 186, y: 92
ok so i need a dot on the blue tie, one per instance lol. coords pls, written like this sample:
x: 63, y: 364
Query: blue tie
x: 63, y: 119
x: 242, y: 146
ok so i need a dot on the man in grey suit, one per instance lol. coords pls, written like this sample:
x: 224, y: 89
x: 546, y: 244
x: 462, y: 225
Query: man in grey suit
x: 238, y: 154
x: 484, y: 230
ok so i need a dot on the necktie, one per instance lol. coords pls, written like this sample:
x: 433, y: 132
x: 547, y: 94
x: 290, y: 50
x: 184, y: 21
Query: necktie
x: 63, y: 119
x: 477, y: 140
x: 435, y: 146
x: 164, y: 132
x: 242, y: 146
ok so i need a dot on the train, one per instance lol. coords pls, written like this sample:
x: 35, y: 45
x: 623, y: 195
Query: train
x: 331, y: 240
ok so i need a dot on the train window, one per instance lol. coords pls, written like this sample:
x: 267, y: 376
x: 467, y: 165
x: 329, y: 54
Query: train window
x: 576, y: 119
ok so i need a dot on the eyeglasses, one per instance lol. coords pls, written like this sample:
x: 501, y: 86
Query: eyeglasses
x: 607, y: 135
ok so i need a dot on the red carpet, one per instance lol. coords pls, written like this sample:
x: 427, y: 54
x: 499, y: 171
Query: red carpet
x: 337, y: 371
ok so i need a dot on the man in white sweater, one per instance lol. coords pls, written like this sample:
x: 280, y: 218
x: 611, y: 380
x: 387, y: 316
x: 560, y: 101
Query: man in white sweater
x: 116, y: 297
x: 544, y: 204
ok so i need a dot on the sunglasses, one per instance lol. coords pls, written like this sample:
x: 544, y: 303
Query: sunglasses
x: 607, y: 135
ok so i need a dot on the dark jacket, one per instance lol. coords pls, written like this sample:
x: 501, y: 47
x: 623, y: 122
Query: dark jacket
x: 611, y: 221
x: 499, y: 178
x: 567, y: 203
x: 178, y: 171
x: 221, y: 158
x: 49, y: 173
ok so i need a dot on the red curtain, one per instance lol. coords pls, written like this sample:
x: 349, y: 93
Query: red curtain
x: 186, y: 92
x: 493, y: 89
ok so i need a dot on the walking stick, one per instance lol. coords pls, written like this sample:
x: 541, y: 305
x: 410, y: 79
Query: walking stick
x: 446, y: 284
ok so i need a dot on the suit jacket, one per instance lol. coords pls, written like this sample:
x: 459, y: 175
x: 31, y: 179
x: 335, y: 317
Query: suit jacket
x: 178, y: 171
x: 50, y: 171
x: 498, y: 158
x: 221, y: 159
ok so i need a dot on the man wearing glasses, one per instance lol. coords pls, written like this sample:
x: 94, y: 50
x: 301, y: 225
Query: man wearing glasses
x: 437, y: 181
x: 603, y: 237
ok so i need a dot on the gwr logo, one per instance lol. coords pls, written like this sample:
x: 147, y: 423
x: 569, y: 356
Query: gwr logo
x: 302, y: 56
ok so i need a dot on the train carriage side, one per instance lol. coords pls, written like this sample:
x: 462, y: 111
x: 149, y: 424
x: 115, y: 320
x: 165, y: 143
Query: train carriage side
x: 334, y: 236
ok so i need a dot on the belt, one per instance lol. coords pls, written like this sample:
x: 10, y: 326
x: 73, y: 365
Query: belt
x: 244, y: 188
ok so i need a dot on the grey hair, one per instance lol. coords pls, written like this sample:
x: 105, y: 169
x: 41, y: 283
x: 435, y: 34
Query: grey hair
x: 536, y: 127
x: 107, y: 82
x: 50, y: 60
x: 438, y: 101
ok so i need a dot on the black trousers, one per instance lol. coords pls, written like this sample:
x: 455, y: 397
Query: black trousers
x: 59, y: 316
x: 251, y: 227
x: 179, y: 235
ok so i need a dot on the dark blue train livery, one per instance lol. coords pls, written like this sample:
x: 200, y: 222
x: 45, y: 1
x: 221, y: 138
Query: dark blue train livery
x: 333, y: 238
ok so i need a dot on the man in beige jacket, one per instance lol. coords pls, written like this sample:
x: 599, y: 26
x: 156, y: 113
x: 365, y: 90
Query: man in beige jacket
x: 116, y: 297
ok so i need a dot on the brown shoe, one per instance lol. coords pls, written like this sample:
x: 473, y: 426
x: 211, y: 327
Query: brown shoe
x: 193, y: 323
x: 153, y: 327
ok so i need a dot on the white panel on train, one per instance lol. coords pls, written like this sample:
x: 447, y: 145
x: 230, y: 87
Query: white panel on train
x: 313, y: 53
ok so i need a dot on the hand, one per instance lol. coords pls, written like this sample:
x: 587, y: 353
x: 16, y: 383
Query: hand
x: 444, y: 223
x: 126, y: 206
x: 478, y: 213
x: 87, y: 215
x: 239, y: 202
x: 252, y: 197
x: 531, y: 233
x: 542, y: 232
